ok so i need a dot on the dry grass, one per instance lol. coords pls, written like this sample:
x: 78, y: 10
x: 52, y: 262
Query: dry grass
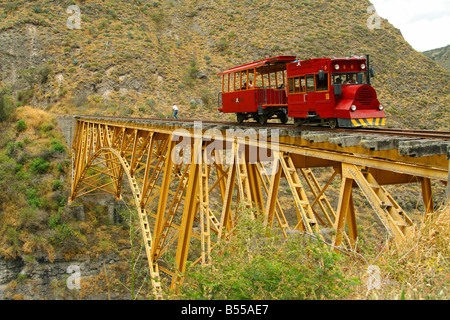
x: 418, y: 269
x: 34, y: 117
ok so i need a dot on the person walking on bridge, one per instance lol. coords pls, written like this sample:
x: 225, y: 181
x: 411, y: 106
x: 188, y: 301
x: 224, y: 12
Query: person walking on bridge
x: 175, y: 111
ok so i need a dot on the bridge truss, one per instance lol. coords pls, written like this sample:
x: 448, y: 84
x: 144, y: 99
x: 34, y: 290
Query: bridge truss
x: 190, y: 184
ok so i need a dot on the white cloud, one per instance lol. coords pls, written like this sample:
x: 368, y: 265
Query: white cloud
x: 424, y: 24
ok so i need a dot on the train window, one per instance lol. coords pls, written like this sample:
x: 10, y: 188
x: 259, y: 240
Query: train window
x: 364, y: 77
x: 237, y: 81
x: 280, y: 80
x: 246, y: 79
x: 258, y: 80
x: 297, y: 85
x: 302, y: 84
x: 241, y: 81
x: 266, y: 80
x: 224, y: 85
x: 350, y: 79
x: 251, y: 78
x: 291, y: 85
x: 310, y: 83
x: 272, y: 80
x: 322, y: 85
x: 337, y: 78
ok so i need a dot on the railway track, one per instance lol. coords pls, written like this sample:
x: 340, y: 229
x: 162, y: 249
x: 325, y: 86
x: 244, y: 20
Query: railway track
x: 420, y: 134
x: 411, y: 133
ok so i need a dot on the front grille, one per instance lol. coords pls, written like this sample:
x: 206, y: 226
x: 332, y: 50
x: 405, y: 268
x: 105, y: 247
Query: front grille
x: 365, y: 96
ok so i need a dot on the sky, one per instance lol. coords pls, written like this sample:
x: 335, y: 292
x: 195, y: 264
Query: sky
x: 425, y: 24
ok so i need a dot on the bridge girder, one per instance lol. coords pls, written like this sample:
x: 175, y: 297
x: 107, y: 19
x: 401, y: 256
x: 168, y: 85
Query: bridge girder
x: 200, y: 181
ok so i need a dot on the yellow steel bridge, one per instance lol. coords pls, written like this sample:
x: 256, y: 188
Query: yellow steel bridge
x: 185, y: 167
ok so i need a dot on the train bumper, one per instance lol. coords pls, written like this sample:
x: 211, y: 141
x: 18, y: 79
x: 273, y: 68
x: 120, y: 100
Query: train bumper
x: 364, y: 122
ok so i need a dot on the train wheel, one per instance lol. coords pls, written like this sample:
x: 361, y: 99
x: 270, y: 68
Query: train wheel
x: 298, y: 122
x: 262, y: 119
x: 333, y: 123
x: 240, y: 117
x: 283, y: 117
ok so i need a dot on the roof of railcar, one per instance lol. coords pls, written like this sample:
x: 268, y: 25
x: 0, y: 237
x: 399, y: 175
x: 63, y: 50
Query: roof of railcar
x: 260, y: 63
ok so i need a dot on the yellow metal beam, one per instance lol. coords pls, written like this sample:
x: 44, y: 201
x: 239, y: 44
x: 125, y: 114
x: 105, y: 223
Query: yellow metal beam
x: 188, y: 214
x: 306, y: 218
x: 427, y: 195
x: 345, y: 197
x: 205, y: 219
x: 163, y: 195
x: 226, y: 218
x: 272, y: 192
x: 319, y: 195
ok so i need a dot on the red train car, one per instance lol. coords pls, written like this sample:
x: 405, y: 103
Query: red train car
x: 331, y: 91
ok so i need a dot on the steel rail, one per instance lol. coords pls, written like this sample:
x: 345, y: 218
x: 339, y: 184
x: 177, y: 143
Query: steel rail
x: 413, y: 133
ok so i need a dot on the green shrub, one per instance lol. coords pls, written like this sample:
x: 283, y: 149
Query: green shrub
x: 57, y: 146
x: 21, y: 125
x: 57, y: 185
x: 54, y: 220
x: 38, y: 9
x: 60, y: 168
x: 25, y: 96
x: 256, y: 264
x: 190, y: 73
x: 157, y: 17
x: 222, y: 45
x: 46, y: 127
x: 63, y: 232
x: 39, y: 166
x: 12, y: 148
x: 33, y: 199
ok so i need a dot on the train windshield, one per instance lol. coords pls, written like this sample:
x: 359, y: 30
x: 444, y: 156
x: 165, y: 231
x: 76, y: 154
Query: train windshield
x: 349, y: 78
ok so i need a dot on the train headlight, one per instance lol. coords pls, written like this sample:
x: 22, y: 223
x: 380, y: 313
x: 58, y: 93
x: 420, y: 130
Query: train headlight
x: 363, y: 66
x: 380, y: 108
x: 353, y: 108
x: 336, y: 66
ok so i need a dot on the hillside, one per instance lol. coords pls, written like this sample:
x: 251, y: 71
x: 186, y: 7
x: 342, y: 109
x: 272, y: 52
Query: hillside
x: 136, y: 57
x: 441, y: 56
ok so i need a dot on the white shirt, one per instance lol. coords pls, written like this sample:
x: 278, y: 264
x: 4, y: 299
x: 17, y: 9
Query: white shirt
x: 175, y: 107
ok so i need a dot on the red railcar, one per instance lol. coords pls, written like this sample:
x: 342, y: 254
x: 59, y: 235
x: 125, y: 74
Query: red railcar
x: 333, y: 91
